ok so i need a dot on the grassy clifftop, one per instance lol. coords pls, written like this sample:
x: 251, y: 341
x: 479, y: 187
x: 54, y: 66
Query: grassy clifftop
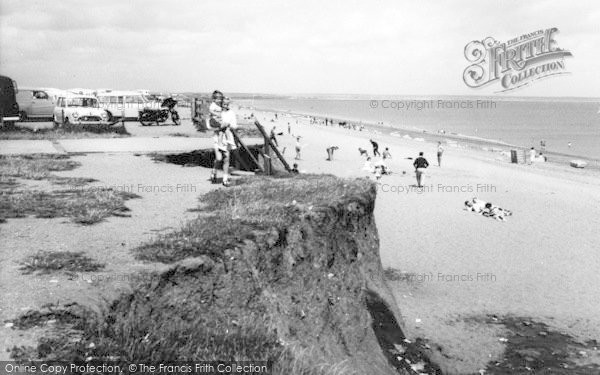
x: 285, y: 270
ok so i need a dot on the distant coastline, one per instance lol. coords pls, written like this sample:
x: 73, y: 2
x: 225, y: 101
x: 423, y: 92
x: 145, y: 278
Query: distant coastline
x: 481, y: 143
x: 499, y: 98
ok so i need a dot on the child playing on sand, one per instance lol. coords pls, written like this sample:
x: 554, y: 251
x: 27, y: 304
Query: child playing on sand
x: 386, y: 153
x: 330, y: 151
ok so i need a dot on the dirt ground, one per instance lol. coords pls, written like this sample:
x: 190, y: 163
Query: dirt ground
x: 167, y: 191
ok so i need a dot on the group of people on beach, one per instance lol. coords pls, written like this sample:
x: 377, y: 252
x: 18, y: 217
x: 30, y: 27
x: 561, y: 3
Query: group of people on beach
x: 342, y: 124
x: 376, y: 165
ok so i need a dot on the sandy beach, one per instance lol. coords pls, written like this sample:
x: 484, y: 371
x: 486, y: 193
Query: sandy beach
x: 540, y: 263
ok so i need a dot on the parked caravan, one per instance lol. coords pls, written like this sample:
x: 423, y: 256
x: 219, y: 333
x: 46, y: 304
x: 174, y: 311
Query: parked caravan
x: 124, y: 104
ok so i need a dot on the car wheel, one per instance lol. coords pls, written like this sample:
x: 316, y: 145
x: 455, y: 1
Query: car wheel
x: 22, y: 116
x: 66, y: 121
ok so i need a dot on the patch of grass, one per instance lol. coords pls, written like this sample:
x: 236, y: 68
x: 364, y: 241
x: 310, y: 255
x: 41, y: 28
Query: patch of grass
x: 50, y: 314
x: 236, y: 213
x: 84, y: 206
x: 135, y: 329
x: 45, y: 262
x: 72, y: 132
x: 39, y: 167
x: 71, y: 181
x: 8, y: 183
x: 35, y: 167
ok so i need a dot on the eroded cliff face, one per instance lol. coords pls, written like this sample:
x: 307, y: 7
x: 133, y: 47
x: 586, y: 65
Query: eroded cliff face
x: 305, y: 290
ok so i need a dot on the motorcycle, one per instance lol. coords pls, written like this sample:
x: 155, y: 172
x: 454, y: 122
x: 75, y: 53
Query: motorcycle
x: 150, y: 116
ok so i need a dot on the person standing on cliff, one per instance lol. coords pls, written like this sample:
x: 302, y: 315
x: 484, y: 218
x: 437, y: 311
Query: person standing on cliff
x: 214, y: 123
x: 420, y: 164
x: 225, y: 142
x: 375, y: 148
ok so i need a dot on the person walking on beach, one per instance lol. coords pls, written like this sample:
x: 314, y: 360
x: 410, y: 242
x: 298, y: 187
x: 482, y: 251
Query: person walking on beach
x: 386, y: 153
x: 420, y: 164
x: 440, y: 152
x: 298, y: 148
x: 375, y: 148
x: 289, y: 129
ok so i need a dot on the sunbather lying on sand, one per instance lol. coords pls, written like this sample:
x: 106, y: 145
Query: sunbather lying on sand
x: 487, y: 209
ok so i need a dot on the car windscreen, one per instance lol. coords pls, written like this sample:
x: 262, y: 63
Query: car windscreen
x: 82, y: 102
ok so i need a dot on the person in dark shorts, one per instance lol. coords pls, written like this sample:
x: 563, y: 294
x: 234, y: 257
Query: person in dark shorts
x: 420, y: 164
x: 375, y: 148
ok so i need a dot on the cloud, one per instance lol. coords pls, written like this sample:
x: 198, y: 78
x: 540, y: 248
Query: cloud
x: 353, y: 46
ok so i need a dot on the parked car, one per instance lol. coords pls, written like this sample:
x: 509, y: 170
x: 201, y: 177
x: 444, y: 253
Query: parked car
x: 124, y: 104
x: 9, y: 108
x: 79, y: 109
x: 34, y: 103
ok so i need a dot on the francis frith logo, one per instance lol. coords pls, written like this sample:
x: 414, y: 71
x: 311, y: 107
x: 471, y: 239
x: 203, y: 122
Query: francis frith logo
x: 514, y: 63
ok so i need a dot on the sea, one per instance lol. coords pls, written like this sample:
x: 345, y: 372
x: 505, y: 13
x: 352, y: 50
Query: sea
x: 568, y: 126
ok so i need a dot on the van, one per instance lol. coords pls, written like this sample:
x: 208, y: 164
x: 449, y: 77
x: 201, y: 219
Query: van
x: 34, y: 103
x: 124, y: 104
x: 9, y: 108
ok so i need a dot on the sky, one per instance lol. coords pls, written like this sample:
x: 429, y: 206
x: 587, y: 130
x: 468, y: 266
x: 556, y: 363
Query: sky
x: 391, y: 47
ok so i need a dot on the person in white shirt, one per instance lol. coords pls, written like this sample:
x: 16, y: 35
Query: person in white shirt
x: 224, y: 141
